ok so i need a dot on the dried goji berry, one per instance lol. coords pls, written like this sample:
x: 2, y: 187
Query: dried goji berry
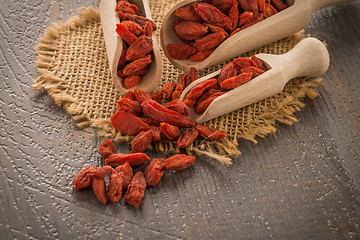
x: 141, y: 96
x: 141, y: 141
x: 254, y: 70
x: 178, y: 162
x: 133, y: 27
x: 126, y: 7
x: 243, y: 62
x: 137, y: 65
x: 212, y: 15
x: 187, y: 138
x: 127, y: 105
x: 179, y: 86
x: 126, y: 172
x: 136, y: 18
x: 210, y: 133
x: 180, y: 51
x: 178, y: 106
x: 136, y: 190
x: 156, y: 133
x: 99, y: 188
x: 139, y: 48
x: 234, y: 15
x: 269, y: 11
x: 102, y: 172
x: 204, y: 104
x: 209, y: 41
x: 190, y: 102
x: 121, y: 74
x: 223, y: 5
x: 84, y: 178
x: 157, y: 96
x: 196, y: 91
x: 201, y: 56
x: 168, y: 89
x: 148, y: 29
x: 234, y: 32
x: 191, y: 76
x: 249, y: 5
x: 279, y: 4
x: 128, y: 123
x: 170, y: 132
x: 189, y: 30
x: 234, y: 82
x: 122, y: 60
x: 215, y: 29
x: 154, y: 171
x: 131, y: 81
x: 258, y: 63
x: 257, y: 18
x: 124, y: 33
x: 107, y: 148
x: 115, y: 187
x: 134, y: 159
x: 261, y: 5
x: 228, y: 71
x: 130, y: 95
x: 245, y: 17
x: 160, y: 113
x: 188, y: 13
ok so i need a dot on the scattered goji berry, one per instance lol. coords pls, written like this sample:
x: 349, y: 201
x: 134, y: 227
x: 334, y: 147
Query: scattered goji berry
x: 134, y: 159
x: 156, y: 133
x: 136, y: 190
x: 169, y: 131
x: 179, y: 87
x: 126, y: 172
x: 178, y: 106
x: 157, y: 96
x: 178, y: 162
x: 128, y: 123
x: 141, y: 96
x: 84, y: 178
x: 191, y: 76
x: 107, y: 148
x: 154, y: 172
x: 187, y: 138
x: 127, y: 105
x: 129, y: 95
x: 168, y: 89
x: 99, y: 188
x: 210, y: 133
x: 141, y: 141
x: 115, y: 187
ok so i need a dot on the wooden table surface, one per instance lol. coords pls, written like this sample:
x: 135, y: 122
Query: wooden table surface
x: 301, y: 183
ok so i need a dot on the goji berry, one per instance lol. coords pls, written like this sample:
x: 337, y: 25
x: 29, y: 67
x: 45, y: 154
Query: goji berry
x: 126, y: 7
x: 141, y: 141
x: 115, y: 187
x: 201, y: 106
x: 189, y: 30
x: 178, y: 162
x: 279, y: 4
x: 136, y: 190
x: 126, y: 172
x: 245, y: 17
x: 179, y: 87
x: 156, y: 133
x: 134, y: 159
x: 188, y: 13
x: 269, y: 11
x: 160, y: 113
x: 148, y: 29
x: 196, y: 91
x: 249, y: 5
x: 187, y: 138
x: 210, y: 133
x: 169, y: 131
x: 209, y: 41
x: 168, y: 89
x: 122, y: 60
x: 201, y: 56
x: 139, y: 48
x: 107, y: 148
x: 223, y: 5
x: 234, y: 82
x: 131, y: 81
x: 258, y: 63
x: 254, y: 70
x: 228, y: 71
x: 154, y: 172
x: 212, y: 15
x: 129, y: 95
x: 234, y: 15
x: 261, y: 5
x: 257, y: 18
x: 133, y: 27
x: 141, y: 96
x: 128, y: 123
x: 180, y: 51
x: 191, y: 76
x: 99, y: 188
x: 127, y: 105
x: 138, y: 64
x: 243, y: 62
x: 157, y: 96
x: 178, y: 106
x: 124, y: 33
x: 136, y: 18
x: 84, y: 178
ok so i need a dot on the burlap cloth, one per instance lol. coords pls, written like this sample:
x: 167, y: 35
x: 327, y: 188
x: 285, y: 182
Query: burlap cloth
x: 73, y: 69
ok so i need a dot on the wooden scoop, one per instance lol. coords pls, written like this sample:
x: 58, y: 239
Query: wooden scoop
x: 308, y: 58
x: 113, y: 43
x: 278, y: 26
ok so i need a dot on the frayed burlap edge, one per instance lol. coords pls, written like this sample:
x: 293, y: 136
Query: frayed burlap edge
x: 220, y: 150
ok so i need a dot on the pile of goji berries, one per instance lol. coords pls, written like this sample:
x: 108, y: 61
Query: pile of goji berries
x: 232, y: 75
x: 136, y: 31
x: 203, y: 26
x: 122, y: 177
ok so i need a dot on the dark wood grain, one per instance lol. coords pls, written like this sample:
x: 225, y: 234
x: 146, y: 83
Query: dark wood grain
x: 300, y: 183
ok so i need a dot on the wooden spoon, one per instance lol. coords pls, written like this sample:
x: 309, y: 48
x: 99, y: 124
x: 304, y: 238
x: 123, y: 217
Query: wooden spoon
x: 113, y: 43
x: 308, y: 58
x: 278, y: 26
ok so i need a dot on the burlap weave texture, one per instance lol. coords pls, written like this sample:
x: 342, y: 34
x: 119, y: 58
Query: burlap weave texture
x: 73, y: 69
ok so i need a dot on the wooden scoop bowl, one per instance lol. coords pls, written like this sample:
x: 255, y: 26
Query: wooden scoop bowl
x: 308, y: 58
x: 278, y: 26
x: 113, y: 43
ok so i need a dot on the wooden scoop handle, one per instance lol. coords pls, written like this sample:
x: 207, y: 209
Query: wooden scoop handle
x: 317, y: 4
